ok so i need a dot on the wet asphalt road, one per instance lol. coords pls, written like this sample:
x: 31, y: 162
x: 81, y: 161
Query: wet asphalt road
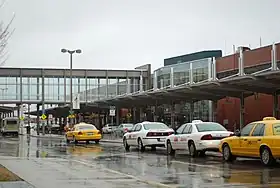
x: 52, y: 163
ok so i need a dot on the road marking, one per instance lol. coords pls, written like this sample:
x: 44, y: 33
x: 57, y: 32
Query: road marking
x: 153, y: 183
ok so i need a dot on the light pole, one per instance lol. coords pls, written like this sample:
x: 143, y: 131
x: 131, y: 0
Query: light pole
x: 71, y: 52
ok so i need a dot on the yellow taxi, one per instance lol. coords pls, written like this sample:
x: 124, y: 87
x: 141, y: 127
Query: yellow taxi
x: 260, y: 139
x: 83, y: 132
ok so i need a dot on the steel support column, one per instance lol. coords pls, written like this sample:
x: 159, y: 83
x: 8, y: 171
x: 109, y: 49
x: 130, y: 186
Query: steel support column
x: 191, y: 111
x: 43, y: 101
x: 155, y: 80
x: 275, y: 105
x: 172, y: 115
x: 242, y: 111
x: 38, y: 119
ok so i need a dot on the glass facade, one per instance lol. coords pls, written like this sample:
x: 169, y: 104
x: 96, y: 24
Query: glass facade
x: 186, y: 72
x: 57, y: 89
x: 183, y: 73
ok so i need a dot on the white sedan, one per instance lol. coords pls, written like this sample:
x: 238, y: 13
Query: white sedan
x: 197, y: 137
x: 152, y: 134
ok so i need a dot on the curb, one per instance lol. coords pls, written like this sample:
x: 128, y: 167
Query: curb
x: 62, y: 138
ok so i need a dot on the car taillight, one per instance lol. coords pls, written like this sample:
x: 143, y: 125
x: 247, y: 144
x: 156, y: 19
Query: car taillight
x: 80, y: 133
x: 206, y: 137
x: 98, y: 132
x: 151, y: 134
x: 170, y: 133
x: 126, y: 129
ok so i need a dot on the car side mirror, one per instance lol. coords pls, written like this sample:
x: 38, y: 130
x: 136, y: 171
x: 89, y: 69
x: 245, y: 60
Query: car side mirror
x: 237, y: 133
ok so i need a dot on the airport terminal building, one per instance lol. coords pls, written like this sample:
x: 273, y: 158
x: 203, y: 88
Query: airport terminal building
x: 138, y: 94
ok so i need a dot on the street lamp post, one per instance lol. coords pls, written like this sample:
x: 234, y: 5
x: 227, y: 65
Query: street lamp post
x: 71, y: 52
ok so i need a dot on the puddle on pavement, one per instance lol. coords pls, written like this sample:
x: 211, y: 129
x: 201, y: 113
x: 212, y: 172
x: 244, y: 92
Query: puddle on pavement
x: 160, y: 168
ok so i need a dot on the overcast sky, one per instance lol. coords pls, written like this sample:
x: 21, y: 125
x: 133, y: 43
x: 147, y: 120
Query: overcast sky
x: 122, y: 34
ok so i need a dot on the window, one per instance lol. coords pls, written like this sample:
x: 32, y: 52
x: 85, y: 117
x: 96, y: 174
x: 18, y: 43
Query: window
x: 180, y: 129
x: 127, y: 125
x: 138, y: 127
x: 209, y: 126
x: 190, y: 129
x: 87, y: 127
x: 276, y: 129
x: 134, y: 127
x: 247, y: 129
x: 148, y: 126
x: 186, y: 130
x: 259, y: 130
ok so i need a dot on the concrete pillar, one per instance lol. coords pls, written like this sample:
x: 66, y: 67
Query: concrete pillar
x: 242, y: 110
x: 275, y: 105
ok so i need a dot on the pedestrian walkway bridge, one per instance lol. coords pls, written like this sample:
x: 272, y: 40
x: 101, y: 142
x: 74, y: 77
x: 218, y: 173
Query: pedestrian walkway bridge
x: 52, y: 86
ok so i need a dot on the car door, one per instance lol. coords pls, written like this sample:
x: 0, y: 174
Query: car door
x: 129, y: 136
x: 137, y: 134
x: 255, y: 140
x: 183, y: 140
x: 175, y: 140
x: 244, y: 140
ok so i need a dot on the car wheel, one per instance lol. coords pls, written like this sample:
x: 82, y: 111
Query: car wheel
x: 227, y: 155
x: 266, y: 156
x: 74, y: 140
x: 169, y: 149
x: 192, y: 149
x: 141, y: 147
x: 126, y: 146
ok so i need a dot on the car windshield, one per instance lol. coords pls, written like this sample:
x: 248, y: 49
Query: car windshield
x: 128, y: 125
x: 203, y: 127
x: 86, y: 127
x: 148, y: 126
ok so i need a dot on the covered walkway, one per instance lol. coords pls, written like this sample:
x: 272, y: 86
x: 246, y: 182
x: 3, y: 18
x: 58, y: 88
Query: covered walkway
x: 239, y: 85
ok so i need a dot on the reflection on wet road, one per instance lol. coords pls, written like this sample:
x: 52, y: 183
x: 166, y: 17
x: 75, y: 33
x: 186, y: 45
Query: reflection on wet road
x: 52, y: 163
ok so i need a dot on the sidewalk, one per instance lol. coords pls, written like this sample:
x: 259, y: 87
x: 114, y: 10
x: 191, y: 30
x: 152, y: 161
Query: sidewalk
x: 62, y: 137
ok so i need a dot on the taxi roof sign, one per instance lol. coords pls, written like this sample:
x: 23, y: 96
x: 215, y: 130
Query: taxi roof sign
x: 269, y: 118
x: 197, y: 121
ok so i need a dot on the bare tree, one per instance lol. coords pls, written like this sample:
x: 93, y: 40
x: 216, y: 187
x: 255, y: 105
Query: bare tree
x: 5, y: 34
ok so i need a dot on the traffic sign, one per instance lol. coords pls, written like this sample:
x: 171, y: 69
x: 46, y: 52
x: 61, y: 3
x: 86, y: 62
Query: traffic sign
x: 21, y: 118
x: 43, y: 116
x: 112, y: 111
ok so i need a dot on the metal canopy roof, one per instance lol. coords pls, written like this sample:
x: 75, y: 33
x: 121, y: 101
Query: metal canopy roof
x: 7, y: 109
x: 265, y: 82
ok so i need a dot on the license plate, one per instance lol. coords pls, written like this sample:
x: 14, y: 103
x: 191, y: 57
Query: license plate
x: 89, y: 134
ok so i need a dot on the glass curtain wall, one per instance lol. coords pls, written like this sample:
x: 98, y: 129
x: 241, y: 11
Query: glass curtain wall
x: 181, y: 75
x: 57, y: 88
